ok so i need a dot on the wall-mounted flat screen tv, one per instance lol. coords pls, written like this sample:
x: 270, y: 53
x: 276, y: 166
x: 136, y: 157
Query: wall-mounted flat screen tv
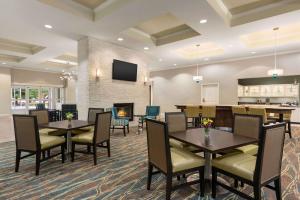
x: 124, y: 71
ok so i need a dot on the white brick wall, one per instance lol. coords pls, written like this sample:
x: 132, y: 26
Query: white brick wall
x: 105, y: 91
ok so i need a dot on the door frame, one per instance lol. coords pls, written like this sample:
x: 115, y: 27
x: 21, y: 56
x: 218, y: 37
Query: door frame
x: 207, y: 84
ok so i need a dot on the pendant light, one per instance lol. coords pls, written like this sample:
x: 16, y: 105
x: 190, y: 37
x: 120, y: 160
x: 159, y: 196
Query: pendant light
x: 197, y: 78
x: 275, y: 72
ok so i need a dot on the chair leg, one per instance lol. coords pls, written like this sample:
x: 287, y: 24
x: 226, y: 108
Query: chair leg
x: 73, y: 152
x: 236, y: 183
x: 214, y: 183
x: 18, y: 158
x: 95, y: 154
x: 202, y: 182
x: 48, y: 153
x: 257, y: 192
x: 169, y: 187
x: 89, y: 148
x: 277, y: 184
x: 43, y: 154
x: 37, y: 163
x: 124, y: 131
x: 108, y: 148
x: 178, y: 177
x: 113, y: 129
x: 63, y: 153
x: 150, y: 168
x: 289, y: 129
x: 128, y: 128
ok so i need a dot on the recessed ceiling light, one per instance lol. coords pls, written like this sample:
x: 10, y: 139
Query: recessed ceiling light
x: 48, y: 26
x: 203, y: 21
x: 120, y: 39
x: 206, y: 59
x: 146, y: 48
x: 175, y: 64
x: 253, y: 52
x: 160, y: 60
x: 46, y: 68
x: 4, y: 63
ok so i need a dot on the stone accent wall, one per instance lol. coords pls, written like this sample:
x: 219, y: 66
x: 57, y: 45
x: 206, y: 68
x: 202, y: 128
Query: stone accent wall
x: 103, y: 92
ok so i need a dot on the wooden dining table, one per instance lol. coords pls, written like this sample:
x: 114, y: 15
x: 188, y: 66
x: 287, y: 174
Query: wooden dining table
x: 218, y: 141
x: 68, y: 126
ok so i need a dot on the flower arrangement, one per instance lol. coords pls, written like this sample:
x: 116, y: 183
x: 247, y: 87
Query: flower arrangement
x: 69, y: 116
x: 207, y: 123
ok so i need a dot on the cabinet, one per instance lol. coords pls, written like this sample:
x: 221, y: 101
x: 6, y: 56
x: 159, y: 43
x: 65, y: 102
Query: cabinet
x: 278, y: 90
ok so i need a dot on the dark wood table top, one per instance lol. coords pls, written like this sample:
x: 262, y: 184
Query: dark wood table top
x: 219, y: 140
x: 64, y: 125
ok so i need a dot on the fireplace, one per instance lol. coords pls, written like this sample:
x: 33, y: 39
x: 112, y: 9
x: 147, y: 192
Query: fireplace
x: 124, y: 110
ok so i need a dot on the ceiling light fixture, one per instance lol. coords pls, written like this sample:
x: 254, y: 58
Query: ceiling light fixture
x: 48, y: 26
x: 146, y: 48
x: 160, y: 60
x: 275, y: 72
x: 253, y: 52
x: 175, y: 64
x: 203, y: 21
x: 206, y: 59
x: 120, y: 39
x: 197, y: 78
x: 4, y: 63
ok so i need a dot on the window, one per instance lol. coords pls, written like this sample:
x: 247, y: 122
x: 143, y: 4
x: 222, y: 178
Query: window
x: 26, y: 97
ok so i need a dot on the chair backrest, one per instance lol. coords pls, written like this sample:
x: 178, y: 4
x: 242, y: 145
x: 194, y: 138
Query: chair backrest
x: 269, y: 157
x: 152, y: 111
x: 42, y: 116
x: 239, y: 110
x: 26, y: 132
x: 258, y: 111
x: 247, y: 125
x: 192, y: 111
x: 40, y: 106
x: 93, y: 112
x: 158, y: 145
x: 176, y: 121
x: 114, y: 113
x: 102, y: 127
x: 208, y: 112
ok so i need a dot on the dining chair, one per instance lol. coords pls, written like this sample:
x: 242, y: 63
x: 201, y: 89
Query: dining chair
x: 257, y: 171
x: 208, y: 112
x: 286, y: 119
x: 119, y: 122
x: 193, y: 113
x: 151, y: 113
x: 177, y: 123
x: 239, y: 110
x: 43, y: 118
x: 261, y: 112
x: 99, y: 137
x: 170, y: 161
x: 30, y: 141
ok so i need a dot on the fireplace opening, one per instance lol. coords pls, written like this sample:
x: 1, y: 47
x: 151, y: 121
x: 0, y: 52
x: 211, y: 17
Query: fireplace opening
x: 124, y: 110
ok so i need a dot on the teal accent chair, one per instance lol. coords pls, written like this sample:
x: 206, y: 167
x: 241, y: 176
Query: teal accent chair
x: 151, y: 113
x: 119, y: 122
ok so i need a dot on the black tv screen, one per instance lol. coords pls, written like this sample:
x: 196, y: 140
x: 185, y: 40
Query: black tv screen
x: 124, y: 71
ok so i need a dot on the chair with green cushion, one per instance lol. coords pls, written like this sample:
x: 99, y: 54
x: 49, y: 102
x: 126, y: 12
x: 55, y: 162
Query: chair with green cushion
x: 43, y: 118
x: 257, y: 171
x: 170, y: 161
x: 91, y: 118
x: 30, y: 141
x: 99, y: 137
x: 177, y: 123
x: 119, y: 122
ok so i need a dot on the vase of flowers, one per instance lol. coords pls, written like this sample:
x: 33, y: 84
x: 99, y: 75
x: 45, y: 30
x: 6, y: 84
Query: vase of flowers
x: 69, y: 117
x: 207, y: 124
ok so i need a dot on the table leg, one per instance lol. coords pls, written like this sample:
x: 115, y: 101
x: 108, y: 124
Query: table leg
x: 69, y: 143
x: 280, y: 117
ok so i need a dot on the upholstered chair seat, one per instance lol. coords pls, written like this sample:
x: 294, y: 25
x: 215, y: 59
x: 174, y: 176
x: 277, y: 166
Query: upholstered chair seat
x: 50, y: 141
x: 84, y: 137
x: 177, y: 144
x: 239, y: 164
x: 183, y: 160
x: 250, y: 149
x: 83, y: 130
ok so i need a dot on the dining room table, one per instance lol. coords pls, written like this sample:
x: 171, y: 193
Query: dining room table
x: 215, y: 142
x: 67, y: 126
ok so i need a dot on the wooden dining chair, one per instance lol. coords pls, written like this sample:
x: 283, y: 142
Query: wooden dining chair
x: 30, y: 141
x: 170, y: 161
x: 99, y: 137
x: 257, y: 171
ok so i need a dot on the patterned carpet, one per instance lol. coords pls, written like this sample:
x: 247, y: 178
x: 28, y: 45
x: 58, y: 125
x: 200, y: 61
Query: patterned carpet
x: 123, y: 176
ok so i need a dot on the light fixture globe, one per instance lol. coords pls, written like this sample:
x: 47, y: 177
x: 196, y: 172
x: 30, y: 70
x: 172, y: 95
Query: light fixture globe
x: 275, y: 72
x: 197, y: 79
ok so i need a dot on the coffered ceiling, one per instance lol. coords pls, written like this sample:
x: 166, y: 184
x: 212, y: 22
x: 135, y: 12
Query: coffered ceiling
x: 168, y: 31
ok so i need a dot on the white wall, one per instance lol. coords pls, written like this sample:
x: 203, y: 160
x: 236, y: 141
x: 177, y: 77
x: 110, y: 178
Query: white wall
x: 5, y: 90
x: 103, y: 92
x: 176, y: 86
